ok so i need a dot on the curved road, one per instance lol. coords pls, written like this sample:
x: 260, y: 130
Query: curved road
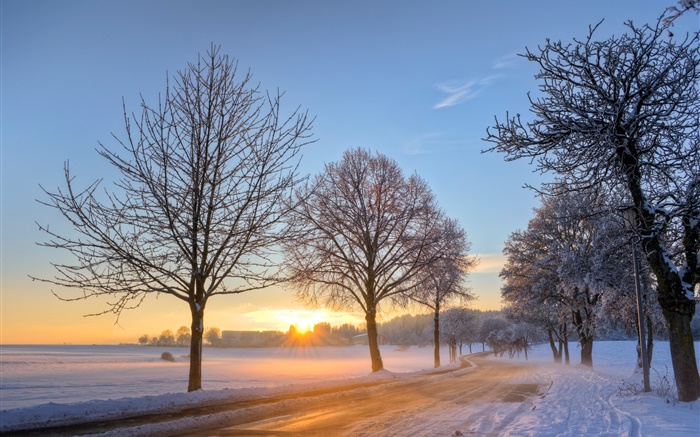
x: 388, y: 409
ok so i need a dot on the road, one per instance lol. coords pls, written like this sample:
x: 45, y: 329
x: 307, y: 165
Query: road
x: 420, y: 407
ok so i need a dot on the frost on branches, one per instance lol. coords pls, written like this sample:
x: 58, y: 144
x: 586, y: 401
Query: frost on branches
x: 622, y: 116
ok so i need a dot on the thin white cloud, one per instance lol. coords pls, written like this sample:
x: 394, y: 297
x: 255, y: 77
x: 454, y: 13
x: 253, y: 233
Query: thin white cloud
x: 430, y: 142
x: 461, y: 92
x: 506, y: 61
x: 490, y: 263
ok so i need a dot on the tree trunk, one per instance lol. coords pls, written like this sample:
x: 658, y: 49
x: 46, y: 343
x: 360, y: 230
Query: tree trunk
x: 650, y: 340
x: 587, y: 351
x: 195, y: 379
x: 553, y: 346
x: 677, y: 308
x: 526, y: 359
x: 685, y: 367
x: 567, y: 359
x: 584, y: 339
x: 372, y: 340
x: 436, y: 337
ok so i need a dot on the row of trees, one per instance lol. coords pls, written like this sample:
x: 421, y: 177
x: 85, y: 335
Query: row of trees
x: 181, y: 338
x: 210, y: 194
x: 459, y: 327
x: 572, y: 268
x: 366, y: 235
x: 619, y: 116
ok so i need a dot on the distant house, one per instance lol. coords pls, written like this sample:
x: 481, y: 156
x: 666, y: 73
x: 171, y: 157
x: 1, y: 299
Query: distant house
x: 251, y: 338
x: 362, y: 339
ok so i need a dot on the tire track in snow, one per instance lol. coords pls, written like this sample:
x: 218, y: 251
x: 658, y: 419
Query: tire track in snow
x: 636, y: 429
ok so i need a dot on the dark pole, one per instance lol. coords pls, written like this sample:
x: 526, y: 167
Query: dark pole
x: 640, y: 318
x: 630, y: 219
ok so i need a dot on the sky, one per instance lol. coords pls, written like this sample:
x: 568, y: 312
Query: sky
x: 417, y: 81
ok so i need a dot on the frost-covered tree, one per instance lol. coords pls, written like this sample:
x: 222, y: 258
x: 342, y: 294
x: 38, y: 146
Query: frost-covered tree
x: 549, y: 315
x: 199, y: 208
x: 365, y: 233
x: 407, y: 330
x: 442, y: 282
x: 675, y: 11
x: 455, y: 326
x: 562, y: 262
x: 490, y: 324
x: 623, y: 115
x: 470, y: 325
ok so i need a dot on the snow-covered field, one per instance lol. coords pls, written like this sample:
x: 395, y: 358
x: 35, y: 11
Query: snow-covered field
x: 68, y: 384
x: 33, y: 375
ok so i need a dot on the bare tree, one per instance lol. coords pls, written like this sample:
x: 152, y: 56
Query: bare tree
x: 624, y: 114
x: 198, y: 209
x: 183, y: 336
x: 364, y: 234
x: 212, y: 336
x: 166, y: 338
x: 443, y: 280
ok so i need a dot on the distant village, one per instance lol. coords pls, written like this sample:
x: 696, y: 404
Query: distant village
x: 459, y: 326
x: 323, y: 334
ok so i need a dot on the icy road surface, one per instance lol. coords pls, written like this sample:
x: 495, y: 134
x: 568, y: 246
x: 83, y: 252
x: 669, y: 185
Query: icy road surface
x: 482, y: 400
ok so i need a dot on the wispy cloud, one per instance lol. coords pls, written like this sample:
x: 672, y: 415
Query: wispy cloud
x: 490, y: 263
x: 462, y: 91
x: 429, y: 142
x: 506, y: 61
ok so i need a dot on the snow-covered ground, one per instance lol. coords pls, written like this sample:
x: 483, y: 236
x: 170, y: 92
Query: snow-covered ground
x: 33, y: 375
x: 607, y: 399
x: 62, y: 385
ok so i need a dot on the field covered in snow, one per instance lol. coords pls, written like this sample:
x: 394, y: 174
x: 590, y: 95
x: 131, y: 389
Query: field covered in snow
x: 68, y: 384
x: 33, y: 375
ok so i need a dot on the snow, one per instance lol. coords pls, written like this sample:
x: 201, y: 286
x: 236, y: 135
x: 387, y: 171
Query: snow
x: 69, y: 384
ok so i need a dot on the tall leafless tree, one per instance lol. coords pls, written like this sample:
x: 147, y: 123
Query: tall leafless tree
x: 364, y: 234
x: 443, y: 280
x: 205, y: 175
x: 624, y: 114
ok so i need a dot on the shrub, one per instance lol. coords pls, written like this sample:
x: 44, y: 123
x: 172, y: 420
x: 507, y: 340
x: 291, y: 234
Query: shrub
x: 167, y: 356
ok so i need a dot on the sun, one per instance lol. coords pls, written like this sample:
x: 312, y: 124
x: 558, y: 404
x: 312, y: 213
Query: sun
x: 302, y: 320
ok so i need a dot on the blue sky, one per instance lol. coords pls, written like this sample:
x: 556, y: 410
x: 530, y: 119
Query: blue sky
x: 417, y: 81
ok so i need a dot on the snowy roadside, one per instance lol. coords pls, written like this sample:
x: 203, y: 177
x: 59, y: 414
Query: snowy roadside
x: 582, y: 401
